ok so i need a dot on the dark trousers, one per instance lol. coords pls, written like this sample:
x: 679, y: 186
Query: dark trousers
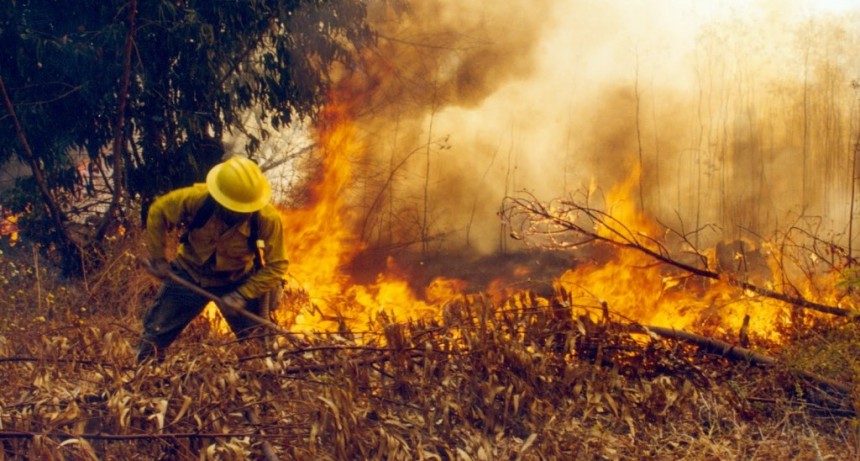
x: 176, y: 306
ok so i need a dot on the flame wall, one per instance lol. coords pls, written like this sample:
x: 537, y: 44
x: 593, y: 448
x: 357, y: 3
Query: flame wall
x: 742, y: 114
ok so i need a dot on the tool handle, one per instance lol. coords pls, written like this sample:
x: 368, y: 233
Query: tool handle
x: 173, y: 277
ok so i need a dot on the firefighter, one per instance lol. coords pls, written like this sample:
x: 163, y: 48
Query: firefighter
x: 233, y: 247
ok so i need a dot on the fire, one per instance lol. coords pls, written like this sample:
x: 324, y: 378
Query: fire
x: 321, y: 243
x: 639, y: 287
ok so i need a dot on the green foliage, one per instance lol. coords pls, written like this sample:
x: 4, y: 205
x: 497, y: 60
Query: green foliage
x: 197, y: 67
x: 830, y: 350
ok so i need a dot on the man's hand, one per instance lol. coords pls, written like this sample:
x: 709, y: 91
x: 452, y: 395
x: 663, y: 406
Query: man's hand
x: 159, y: 268
x: 232, y: 303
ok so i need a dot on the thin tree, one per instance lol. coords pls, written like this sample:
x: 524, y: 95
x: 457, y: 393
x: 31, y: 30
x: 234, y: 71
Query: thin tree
x: 855, y: 84
x: 639, y: 147
x: 425, y: 212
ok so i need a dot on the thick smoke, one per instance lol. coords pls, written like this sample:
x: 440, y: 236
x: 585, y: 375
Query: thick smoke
x: 740, y: 114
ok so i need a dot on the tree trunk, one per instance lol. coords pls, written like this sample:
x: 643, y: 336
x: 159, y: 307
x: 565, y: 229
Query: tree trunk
x: 71, y: 251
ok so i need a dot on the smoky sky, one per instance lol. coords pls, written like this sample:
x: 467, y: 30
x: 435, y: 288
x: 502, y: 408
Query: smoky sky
x: 740, y: 114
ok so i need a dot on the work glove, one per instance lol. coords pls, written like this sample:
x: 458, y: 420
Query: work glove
x: 232, y: 303
x: 159, y: 267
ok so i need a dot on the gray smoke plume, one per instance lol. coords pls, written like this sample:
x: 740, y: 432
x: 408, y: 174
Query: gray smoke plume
x: 740, y: 114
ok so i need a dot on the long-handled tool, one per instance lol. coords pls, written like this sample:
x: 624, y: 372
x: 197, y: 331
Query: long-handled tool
x: 251, y: 414
x: 216, y: 299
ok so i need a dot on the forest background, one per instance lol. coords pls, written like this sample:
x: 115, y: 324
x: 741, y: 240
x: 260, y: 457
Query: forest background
x: 417, y: 132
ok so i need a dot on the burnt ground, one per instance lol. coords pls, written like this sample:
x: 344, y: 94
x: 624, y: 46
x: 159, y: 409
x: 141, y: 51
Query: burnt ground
x: 527, y: 270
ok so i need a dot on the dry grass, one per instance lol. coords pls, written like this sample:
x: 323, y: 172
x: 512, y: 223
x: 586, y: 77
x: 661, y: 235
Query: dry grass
x: 534, y: 379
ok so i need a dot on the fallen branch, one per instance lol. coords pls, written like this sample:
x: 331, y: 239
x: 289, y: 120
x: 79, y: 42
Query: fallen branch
x: 615, y: 233
x: 57, y: 360
x: 739, y: 354
x: 131, y: 437
x: 320, y: 367
x: 339, y: 348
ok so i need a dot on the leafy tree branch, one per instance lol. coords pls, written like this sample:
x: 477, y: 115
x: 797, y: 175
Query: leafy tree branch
x: 127, y: 99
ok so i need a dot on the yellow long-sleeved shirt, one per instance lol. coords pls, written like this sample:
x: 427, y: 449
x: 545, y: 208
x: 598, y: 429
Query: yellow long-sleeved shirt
x: 217, y: 254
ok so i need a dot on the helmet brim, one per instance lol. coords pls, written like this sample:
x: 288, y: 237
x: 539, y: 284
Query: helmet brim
x: 233, y: 205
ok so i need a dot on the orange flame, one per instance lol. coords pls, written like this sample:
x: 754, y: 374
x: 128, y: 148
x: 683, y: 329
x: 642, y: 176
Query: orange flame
x: 321, y: 243
x: 637, y: 286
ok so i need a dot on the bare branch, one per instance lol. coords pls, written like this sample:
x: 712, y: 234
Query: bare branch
x: 591, y: 225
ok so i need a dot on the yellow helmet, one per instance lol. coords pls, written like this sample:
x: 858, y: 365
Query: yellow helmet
x: 238, y: 184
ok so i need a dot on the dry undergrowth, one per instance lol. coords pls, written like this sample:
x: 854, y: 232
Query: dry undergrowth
x: 531, y: 380
x: 523, y: 383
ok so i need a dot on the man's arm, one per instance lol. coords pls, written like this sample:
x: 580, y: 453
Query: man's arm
x: 271, y: 231
x: 168, y: 211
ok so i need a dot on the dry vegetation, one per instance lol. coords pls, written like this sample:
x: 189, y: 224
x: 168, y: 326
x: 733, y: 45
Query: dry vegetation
x: 531, y: 379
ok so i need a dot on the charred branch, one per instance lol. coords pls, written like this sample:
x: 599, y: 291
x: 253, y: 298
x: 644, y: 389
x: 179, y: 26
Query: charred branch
x: 739, y: 354
x: 558, y: 220
x: 131, y: 437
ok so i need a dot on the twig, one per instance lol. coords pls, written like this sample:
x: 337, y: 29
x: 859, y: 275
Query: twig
x: 737, y: 353
x: 65, y: 361
x: 38, y: 281
x: 626, y: 239
x: 148, y: 436
x: 268, y: 451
